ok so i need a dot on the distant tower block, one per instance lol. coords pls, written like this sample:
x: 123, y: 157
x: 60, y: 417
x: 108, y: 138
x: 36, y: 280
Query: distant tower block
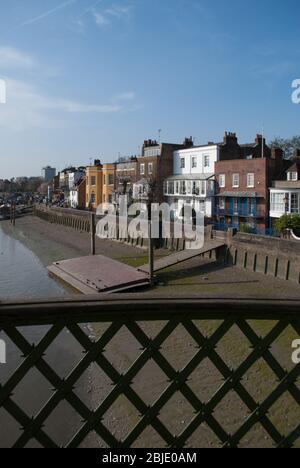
x: 48, y: 173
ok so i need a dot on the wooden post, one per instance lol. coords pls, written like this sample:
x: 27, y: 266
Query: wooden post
x: 93, y: 233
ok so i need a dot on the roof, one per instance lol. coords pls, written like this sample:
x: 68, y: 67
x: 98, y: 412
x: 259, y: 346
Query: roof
x: 295, y: 166
x: 191, y: 177
x: 238, y: 194
x: 197, y: 147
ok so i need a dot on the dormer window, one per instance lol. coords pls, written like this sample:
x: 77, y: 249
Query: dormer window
x: 292, y: 176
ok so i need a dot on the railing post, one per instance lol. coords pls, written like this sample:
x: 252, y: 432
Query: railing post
x: 93, y: 233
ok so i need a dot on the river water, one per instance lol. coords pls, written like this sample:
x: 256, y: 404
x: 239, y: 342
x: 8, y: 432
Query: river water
x: 22, y: 275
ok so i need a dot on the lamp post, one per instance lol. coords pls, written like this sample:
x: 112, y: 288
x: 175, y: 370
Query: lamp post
x: 286, y: 203
x: 286, y: 209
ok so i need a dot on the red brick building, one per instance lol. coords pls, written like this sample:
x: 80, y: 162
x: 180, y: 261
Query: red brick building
x: 126, y: 177
x: 242, y: 187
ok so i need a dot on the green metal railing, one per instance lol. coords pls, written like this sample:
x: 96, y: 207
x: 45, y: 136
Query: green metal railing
x: 227, y: 323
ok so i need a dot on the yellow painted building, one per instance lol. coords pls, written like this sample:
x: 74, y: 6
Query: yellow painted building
x: 94, y: 185
x: 109, y: 183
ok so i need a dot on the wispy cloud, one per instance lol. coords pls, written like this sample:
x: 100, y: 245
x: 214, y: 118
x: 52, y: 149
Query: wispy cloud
x: 118, y: 11
x: 100, y: 19
x: 14, y: 58
x: 47, y: 13
x: 108, y: 15
x: 28, y: 107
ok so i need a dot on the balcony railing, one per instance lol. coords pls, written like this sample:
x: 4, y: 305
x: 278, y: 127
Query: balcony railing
x: 241, y: 212
x: 204, y: 372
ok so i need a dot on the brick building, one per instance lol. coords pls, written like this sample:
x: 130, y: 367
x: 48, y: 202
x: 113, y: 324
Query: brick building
x: 126, y: 177
x: 154, y: 166
x: 242, y: 186
x: 193, y: 179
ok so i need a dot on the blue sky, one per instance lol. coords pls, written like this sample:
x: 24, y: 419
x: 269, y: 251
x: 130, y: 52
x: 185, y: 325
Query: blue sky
x: 92, y: 79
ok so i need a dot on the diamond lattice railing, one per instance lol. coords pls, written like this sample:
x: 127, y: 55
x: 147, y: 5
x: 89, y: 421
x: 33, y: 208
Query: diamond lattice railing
x: 234, y: 335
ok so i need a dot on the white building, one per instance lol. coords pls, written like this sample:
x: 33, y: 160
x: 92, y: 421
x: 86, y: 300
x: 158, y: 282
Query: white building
x: 285, y: 194
x: 193, y: 180
x: 74, y: 177
x: 73, y: 198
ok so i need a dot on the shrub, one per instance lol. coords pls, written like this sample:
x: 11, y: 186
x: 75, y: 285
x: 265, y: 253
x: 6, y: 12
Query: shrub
x: 288, y: 222
x: 246, y: 229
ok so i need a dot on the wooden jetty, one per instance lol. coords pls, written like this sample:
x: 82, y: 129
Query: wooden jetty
x: 98, y: 274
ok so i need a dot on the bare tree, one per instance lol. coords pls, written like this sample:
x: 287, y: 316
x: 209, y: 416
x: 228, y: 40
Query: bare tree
x: 288, y: 145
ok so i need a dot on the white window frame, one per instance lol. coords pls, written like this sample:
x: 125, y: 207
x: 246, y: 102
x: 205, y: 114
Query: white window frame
x: 194, y: 162
x: 182, y: 163
x: 294, y: 206
x: 222, y: 180
x: 250, y: 180
x: 142, y: 169
x: 292, y: 176
x: 150, y: 168
x: 206, y: 160
x: 277, y: 202
x: 235, y: 180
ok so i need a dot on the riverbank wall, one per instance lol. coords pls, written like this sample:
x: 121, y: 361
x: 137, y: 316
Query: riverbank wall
x: 82, y: 222
x: 278, y: 258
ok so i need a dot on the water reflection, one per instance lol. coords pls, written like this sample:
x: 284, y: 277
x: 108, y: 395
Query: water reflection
x: 22, y: 274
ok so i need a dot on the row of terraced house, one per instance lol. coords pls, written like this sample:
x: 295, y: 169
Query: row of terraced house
x: 234, y: 185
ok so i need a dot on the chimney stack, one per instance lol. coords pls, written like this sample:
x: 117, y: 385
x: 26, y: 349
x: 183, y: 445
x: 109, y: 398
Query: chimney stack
x: 259, y: 139
x: 276, y: 153
x: 230, y: 138
x: 188, y: 142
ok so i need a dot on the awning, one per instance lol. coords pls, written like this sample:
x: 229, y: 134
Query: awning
x: 238, y: 195
x: 193, y: 177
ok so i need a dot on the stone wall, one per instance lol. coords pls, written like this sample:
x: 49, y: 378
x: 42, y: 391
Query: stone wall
x: 81, y: 221
x: 278, y: 258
